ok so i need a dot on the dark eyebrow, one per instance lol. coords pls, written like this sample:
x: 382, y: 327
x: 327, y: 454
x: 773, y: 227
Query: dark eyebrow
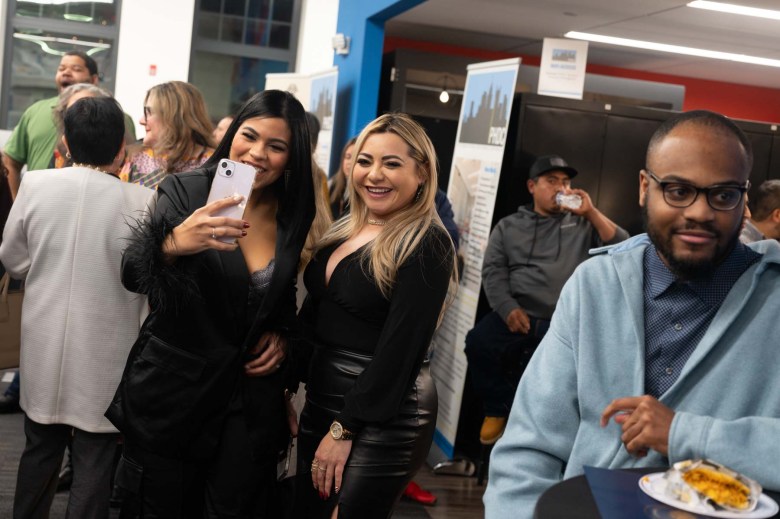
x: 256, y: 134
x: 674, y: 179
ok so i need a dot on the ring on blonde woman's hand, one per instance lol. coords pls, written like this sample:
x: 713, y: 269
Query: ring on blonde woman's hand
x: 213, y: 233
x: 322, y: 469
x: 315, y: 462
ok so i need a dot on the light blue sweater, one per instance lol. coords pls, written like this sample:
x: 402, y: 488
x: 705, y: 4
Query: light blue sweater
x: 726, y: 400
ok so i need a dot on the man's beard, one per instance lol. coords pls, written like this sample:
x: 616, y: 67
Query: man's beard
x: 688, y: 268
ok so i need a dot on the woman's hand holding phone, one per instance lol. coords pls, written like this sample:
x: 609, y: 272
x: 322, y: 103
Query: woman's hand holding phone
x: 202, y: 231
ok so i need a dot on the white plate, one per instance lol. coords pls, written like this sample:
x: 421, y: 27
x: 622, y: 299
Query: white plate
x: 654, y: 485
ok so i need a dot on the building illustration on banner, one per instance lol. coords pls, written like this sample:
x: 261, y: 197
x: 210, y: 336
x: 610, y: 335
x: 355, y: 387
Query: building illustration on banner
x: 486, y: 117
x: 322, y: 101
x: 473, y: 183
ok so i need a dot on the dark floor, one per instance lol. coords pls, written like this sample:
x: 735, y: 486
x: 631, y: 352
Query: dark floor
x: 459, y: 497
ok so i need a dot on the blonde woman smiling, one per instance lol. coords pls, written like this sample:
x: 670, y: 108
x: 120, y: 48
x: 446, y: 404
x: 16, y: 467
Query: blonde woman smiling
x: 377, y: 285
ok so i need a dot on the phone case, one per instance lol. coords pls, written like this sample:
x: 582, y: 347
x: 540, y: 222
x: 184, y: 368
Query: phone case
x: 231, y: 178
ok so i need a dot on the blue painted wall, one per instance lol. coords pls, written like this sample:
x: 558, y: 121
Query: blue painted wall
x: 359, y: 71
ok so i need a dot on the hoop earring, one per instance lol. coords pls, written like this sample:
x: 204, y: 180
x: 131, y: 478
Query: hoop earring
x: 418, y: 194
x: 67, y: 155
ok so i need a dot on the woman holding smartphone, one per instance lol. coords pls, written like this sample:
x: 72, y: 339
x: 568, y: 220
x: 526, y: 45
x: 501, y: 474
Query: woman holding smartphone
x: 377, y: 286
x: 201, y: 403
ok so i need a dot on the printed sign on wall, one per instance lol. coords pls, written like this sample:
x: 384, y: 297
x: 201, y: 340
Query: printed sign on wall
x: 562, y: 72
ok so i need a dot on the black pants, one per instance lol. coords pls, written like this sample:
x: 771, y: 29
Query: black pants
x: 497, y: 359
x: 229, y: 485
x: 384, y: 457
x: 39, y: 469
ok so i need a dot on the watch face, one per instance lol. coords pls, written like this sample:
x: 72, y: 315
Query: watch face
x: 336, y: 430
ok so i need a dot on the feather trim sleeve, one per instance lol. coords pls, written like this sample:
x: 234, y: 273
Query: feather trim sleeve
x: 144, y: 268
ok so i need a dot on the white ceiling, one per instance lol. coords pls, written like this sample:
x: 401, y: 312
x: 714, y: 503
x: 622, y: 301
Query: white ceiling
x: 518, y: 26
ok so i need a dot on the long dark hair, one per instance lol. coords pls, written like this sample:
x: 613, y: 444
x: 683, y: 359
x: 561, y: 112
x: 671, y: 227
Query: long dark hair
x: 274, y: 103
x: 295, y: 188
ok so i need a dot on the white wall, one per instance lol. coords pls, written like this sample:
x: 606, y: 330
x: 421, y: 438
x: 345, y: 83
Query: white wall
x: 151, y: 32
x: 318, y: 26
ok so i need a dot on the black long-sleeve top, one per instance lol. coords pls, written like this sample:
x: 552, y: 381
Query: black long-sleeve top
x: 350, y: 313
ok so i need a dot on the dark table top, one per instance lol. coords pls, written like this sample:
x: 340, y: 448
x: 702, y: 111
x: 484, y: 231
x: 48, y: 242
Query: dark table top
x: 572, y: 499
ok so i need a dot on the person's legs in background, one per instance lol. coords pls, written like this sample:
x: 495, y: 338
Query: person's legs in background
x: 66, y: 474
x: 496, y: 359
x: 36, y: 481
x: 93, y: 461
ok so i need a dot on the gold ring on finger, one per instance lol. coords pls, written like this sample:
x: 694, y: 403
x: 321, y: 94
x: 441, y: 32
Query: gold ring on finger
x: 213, y: 233
x: 323, y: 469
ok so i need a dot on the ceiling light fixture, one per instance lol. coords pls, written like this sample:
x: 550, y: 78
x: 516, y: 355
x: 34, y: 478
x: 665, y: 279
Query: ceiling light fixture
x: 43, y: 42
x: 77, y: 17
x: 444, y: 97
x: 674, y: 49
x: 736, y: 9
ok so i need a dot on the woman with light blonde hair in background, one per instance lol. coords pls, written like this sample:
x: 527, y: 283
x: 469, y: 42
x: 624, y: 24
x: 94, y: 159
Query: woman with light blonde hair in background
x: 339, y: 200
x: 178, y: 134
x: 377, y: 286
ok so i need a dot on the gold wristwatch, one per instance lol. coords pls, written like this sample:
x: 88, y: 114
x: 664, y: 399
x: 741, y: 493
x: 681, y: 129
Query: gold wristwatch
x: 338, y: 432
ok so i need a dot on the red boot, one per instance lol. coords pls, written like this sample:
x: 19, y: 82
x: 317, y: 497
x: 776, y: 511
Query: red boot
x: 414, y: 492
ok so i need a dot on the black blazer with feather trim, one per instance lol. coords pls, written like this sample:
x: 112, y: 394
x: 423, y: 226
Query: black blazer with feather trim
x: 188, y: 360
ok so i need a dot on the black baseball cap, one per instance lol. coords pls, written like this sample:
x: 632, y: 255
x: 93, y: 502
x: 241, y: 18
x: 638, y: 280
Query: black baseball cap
x: 547, y: 163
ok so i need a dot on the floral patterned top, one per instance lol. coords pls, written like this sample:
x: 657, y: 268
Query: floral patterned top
x: 147, y: 170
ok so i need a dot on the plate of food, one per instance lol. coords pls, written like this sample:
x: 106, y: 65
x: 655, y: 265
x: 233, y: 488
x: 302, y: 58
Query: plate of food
x: 708, y: 488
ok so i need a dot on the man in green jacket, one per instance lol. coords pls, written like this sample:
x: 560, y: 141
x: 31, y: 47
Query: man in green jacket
x: 32, y: 141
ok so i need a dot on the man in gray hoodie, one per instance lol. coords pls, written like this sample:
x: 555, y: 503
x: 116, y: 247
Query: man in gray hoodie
x: 529, y: 257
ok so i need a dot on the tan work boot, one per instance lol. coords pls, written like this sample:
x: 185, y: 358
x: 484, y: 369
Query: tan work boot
x: 492, y: 429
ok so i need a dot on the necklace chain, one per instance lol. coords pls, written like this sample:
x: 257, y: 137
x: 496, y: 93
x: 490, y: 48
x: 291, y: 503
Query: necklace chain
x: 377, y: 222
x: 90, y: 166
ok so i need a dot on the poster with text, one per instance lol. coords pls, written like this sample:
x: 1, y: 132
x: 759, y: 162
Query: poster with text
x: 322, y: 103
x: 562, y: 71
x: 476, y: 167
x: 298, y: 85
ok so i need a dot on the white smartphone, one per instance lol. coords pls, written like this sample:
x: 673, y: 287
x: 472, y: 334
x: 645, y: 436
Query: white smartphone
x: 231, y: 178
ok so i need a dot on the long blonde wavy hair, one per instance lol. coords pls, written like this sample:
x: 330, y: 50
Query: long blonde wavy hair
x: 404, y: 232
x: 187, y: 128
x: 322, y: 220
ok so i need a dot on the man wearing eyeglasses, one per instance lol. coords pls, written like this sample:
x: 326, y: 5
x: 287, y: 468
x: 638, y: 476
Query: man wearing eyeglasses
x: 664, y: 347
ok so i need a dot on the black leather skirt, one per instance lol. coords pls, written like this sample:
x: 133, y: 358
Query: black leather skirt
x: 384, y: 457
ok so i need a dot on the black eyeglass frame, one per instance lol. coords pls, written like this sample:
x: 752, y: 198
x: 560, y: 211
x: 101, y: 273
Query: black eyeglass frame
x: 706, y: 190
x: 147, y: 111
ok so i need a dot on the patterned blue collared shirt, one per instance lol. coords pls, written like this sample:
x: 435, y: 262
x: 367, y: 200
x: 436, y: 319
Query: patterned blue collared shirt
x: 678, y: 313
